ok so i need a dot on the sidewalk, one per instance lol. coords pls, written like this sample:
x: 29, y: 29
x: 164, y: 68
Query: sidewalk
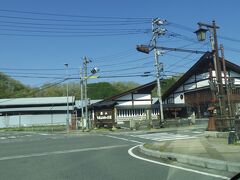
x: 212, y: 153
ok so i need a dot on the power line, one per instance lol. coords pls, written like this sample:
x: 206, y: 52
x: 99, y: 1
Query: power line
x: 31, y: 73
x: 38, y: 90
x: 71, y: 15
x: 72, y: 20
x: 125, y: 69
x: 118, y: 55
x: 124, y: 62
x: 121, y: 76
x: 71, y: 32
x: 232, y: 49
x: 37, y: 77
x: 77, y: 35
x: 72, y: 25
x: 229, y: 39
x: 37, y: 69
x: 184, y: 58
x: 77, y: 29
x: 181, y: 26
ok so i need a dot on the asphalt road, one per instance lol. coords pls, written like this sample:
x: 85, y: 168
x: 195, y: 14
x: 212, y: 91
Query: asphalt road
x: 82, y: 157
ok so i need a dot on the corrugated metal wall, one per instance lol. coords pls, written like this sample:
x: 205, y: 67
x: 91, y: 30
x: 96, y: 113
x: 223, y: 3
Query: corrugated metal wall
x: 32, y: 120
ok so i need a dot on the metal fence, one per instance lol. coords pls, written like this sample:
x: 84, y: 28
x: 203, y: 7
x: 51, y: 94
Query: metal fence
x: 225, y: 123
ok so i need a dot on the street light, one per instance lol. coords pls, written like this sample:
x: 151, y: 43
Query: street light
x: 143, y: 49
x: 94, y: 70
x: 67, y: 118
x: 201, y: 34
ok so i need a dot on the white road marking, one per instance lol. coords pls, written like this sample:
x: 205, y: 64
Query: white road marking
x: 3, y: 138
x: 59, y: 152
x: 163, y: 136
x: 28, y: 135
x: 170, y: 139
x: 124, y: 139
x: 197, y: 132
x: 44, y: 134
x: 173, y: 166
x: 12, y: 137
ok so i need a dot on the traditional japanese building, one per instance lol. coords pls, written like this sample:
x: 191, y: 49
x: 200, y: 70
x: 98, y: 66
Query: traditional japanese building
x: 135, y: 104
x: 196, y: 90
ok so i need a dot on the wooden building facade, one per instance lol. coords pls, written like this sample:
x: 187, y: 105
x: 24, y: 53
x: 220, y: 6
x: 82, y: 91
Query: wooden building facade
x: 195, y: 91
x: 135, y: 104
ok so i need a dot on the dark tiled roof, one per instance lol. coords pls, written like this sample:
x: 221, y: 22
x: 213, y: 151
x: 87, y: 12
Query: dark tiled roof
x: 146, y: 88
x: 200, y: 66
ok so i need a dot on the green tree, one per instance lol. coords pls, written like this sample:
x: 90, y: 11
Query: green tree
x: 165, y: 85
x: 102, y: 90
x: 10, y: 88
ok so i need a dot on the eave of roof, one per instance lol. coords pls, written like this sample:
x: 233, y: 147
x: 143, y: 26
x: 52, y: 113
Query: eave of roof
x: 36, y: 100
x: 150, y: 87
x: 206, y: 58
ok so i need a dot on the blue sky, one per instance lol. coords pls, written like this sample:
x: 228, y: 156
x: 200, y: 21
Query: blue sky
x: 22, y: 53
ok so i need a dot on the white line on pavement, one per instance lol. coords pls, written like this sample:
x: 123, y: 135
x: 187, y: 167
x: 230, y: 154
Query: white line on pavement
x: 163, y: 136
x: 12, y: 137
x: 170, y: 139
x: 173, y: 166
x: 130, y: 140
x: 59, y: 152
x: 197, y: 132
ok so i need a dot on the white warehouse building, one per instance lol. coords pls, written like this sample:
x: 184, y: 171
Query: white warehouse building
x: 20, y: 112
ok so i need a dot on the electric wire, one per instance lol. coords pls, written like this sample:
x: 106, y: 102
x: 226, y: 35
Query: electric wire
x: 38, y: 90
x: 70, y: 15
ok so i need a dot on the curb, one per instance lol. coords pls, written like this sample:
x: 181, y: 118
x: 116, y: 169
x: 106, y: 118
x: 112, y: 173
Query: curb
x: 193, y: 160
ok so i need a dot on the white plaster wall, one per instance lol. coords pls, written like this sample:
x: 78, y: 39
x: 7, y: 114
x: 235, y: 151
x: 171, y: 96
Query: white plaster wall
x: 202, y: 76
x: 142, y: 102
x: 177, y: 99
x: 126, y: 97
x: 202, y: 84
x: 190, y: 86
x: 141, y: 96
x: 124, y: 103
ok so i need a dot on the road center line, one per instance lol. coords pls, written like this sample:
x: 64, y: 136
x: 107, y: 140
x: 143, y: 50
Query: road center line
x: 173, y: 166
x: 59, y: 152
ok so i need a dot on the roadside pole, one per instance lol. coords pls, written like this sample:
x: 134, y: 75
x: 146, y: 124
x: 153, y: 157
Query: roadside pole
x: 81, y: 90
x: 67, y: 118
x: 226, y: 86
x: 85, y: 62
x: 156, y: 33
x: 159, y: 91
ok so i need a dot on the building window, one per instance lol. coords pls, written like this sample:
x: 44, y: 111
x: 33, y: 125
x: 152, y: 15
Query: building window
x: 181, y: 96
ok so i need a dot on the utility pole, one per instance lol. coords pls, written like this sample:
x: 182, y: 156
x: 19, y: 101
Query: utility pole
x: 201, y: 34
x: 83, y: 87
x: 226, y: 85
x: 85, y: 62
x: 156, y: 33
x: 159, y: 91
x: 219, y: 71
x: 67, y: 118
x: 156, y: 23
x: 81, y: 90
